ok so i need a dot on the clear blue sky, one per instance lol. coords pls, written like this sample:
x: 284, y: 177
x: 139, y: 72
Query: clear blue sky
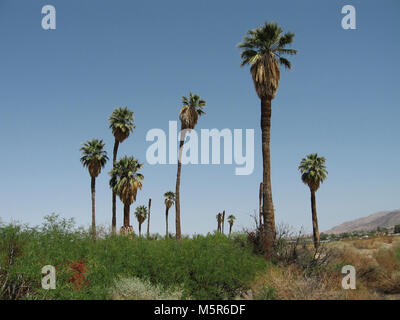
x: 57, y: 89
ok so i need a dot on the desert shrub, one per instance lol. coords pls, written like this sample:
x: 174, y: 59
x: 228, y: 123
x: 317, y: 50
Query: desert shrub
x: 13, y: 240
x: 208, y: 267
x: 142, y: 289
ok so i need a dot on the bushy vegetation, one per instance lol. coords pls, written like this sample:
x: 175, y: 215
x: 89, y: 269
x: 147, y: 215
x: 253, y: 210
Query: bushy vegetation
x: 204, y: 267
x: 138, y: 289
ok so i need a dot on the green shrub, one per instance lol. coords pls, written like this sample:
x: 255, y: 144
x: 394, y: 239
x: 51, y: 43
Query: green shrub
x: 207, y: 267
x: 138, y: 289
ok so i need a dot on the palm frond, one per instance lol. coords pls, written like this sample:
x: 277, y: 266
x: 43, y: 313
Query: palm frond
x: 313, y: 171
x: 121, y: 123
x: 94, y: 157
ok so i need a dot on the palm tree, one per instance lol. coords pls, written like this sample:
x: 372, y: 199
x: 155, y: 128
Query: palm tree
x: 141, y: 215
x: 313, y: 173
x: 219, y: 220
x: 121, y: 124
x: 263, y: 48
x: 169, y: 202
x: 188, y: 115
x: 231, y: 220
x: 94, y: 157
x: 125, y: 182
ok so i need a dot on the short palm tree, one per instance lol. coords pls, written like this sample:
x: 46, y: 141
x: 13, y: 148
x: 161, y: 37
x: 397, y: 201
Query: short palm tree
x: 94, y: 157
x: 141, y: 215
x: 313, y: 173
x: 188, y: 115
x: 263, y: 49
x: 219, y: 221
x: 169, y: 202
x: 125, y: 182
x: 121, y: 124
x: 231, y: 220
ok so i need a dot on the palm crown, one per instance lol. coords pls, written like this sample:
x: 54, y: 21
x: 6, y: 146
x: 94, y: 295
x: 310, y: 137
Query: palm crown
x: 313, y: 171
x: 121, y: 123
x: 125, y: 180
x: 141, y: 213
x: 191, y: 110
x: 231, y: 219
x: 263, y: 48
x: 169, y: 198
x: 94, y: 157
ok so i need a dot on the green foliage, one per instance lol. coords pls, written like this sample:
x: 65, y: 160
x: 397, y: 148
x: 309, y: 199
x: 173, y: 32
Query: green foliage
x: 138, y: 289
x: 94, y: 156
x: 268, y: 38
x: 324, y: 236
x: 194, y: 101
x: 313, y: 171
x: 267, y: 293
x: 397, y: 228
x: 121, y: 123
x: 397, y: 253
x: 206, y: 267
x: 124, y: 173
x: 141, y: 213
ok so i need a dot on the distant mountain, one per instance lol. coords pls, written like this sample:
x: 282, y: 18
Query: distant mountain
x: 384, y: 219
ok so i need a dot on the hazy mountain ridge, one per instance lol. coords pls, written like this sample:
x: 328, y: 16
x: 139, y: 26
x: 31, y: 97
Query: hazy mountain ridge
x: 383, y: 219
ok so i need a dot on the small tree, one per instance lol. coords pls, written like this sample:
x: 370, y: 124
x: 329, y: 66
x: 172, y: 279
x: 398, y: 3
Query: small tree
x: 397, y: 228
x: 141, y: 213
x: 169, y: 202
x: 313, y: 173
x: 219, y: 220
x: 231, y: 220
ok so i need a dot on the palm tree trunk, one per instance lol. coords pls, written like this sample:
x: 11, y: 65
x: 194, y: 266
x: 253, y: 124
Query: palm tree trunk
x: 126, y: 215
x: 93, y: 189
x: 223, y: 222
x: 178, y: 185
x: 314, y: 220
x: 230, y: 229
x: 114, y: 196
x: 148, y: 220
x: 140, y: 229
x: 166, y: 222
x: 260, y: 202
x: 268, y: 206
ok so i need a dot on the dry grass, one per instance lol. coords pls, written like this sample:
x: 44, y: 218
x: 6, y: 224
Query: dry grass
x: 377, y: 265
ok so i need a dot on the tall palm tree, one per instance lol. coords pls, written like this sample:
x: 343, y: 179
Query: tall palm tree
x: 263, y: 48
x: 169, y: 202
x: 121, y: 124
x: 231, y: 220
x: 141, y: 215
x: 219, y: 220
x: 94, y: 157
x: 313, y: 173
x: 125, y: 182
x: 188, y: 115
